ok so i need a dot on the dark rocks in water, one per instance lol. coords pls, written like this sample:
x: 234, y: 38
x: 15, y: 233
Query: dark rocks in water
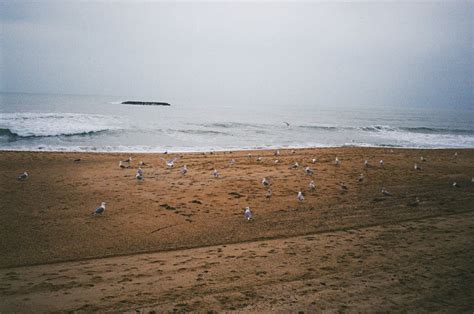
x: 145, y: 103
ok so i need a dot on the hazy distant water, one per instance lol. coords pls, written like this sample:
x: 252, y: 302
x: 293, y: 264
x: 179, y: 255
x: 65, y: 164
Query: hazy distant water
x: 99, y: 123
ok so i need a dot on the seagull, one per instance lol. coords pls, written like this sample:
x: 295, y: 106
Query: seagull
x: 308, y: 171
x: 293, y: 151
x: 170, y: 163
x: 385, y: 192
x: 215, y: 173
x: 123, y: 165
x: 248, y: 213
x: 300, y: 196
x: 99, y: 210
x: 265, y: 182
x: 337, y: 162
x: 142, y: 164
x: 23, y: 176
x: 360, y: 178
x: 366, y: 163
x: 416, y: 167
x: 295, y: 165
x: 232, y: 162
x: 249, y: 155
x: 312, y: 186
x: 287, y: 124
x: 184, y: 170
x: 140, y: 171
x: 313, y: 161
x: 381, y: 163
x: 455, y: 155
x: 269, y: 193
x: 343, y: 186
x: 139, y: 176
x: 276, y: 161
x: 259, y: 158
x: 422, y: 158
x: 276, y: 153
x: 456, y: 185
x: 129, y: 159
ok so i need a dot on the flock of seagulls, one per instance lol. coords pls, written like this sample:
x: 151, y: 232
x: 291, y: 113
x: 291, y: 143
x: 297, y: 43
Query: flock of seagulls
x: 139, y: 176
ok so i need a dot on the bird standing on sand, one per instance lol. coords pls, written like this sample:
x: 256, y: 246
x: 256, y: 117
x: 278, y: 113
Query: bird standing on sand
x: 360, y: 178
x: 259, y: 159
x: 312, y: 185
x: 248, y: 213
x: 422, y: 158
x: 24, y: 176
x: 215, y: 173
x: 265, y: 182
x: 416, y: 167
x: 170, y: 162
x: 295, y: 165
x: 337, y: 162
x: 276, y: 161
x: 139, y: 176
x: 276, y: 153
x: 142, y: 164
x: 129, y: 159
x: 366, y: 163
x: 313, y: 161
x: 344, y: 187
x: 249, y: 155
x: 455, y: 155
x: 184, y: 170
x: 456, y: 185
x: 99, y: 210
x: 385, y: 192
x: 381, y: 163
x: 293, y: 151
x: 308, y: 171
x: 300, y: 196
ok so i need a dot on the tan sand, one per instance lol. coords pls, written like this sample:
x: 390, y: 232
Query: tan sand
x: 372, y: 252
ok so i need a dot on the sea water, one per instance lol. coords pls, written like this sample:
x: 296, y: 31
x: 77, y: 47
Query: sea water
x: 39, y: 122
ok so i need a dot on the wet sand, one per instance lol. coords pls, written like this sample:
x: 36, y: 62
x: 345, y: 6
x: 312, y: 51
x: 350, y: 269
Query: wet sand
x: 180, y: 242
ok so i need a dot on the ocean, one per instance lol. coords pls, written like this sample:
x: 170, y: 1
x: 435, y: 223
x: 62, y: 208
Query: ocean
x: 40, y: 122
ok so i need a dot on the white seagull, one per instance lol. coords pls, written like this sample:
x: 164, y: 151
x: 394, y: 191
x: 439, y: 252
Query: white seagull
x: 312, y: 185
x: 123, y: 164
x: 313, y: 161
x: 249, y: 155
x: 360, y: 178
x: 308, y: 171
x: 422, y: 158
x: 140, y: 171
x: 184, y: 170
x: 295, y: 165
x: 293, y: 151
x: 381, y: 163
x: 248, y: 213
x: 416, y: 167
x: 142, y: 164
x: 170, y: 162
x: 99, y: 210
x: 300, y: 196
x: 139, y: 175
x: 337, y: 162
x: 23, y: 176
x: 129, y: 159
x: 265, y: 182
x: 215, y: 173
x: 385, y: 192
x: 456, y: 185
x: 259, y: 158
x: 276, y: 161
x: 366, y: 163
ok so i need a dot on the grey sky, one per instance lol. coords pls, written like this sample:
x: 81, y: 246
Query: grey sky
x: 252, y: 52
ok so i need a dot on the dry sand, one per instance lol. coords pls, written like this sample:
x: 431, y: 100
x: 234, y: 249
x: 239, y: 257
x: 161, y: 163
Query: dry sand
x: 178, y: 242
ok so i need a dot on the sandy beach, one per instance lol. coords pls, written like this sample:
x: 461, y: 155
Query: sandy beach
x: 180, y: 242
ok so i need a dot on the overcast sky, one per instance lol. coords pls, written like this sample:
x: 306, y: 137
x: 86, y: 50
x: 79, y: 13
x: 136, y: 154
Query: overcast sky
x: 352, y: 53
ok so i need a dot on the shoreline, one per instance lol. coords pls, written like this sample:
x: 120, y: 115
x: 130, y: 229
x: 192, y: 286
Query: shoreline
x: 161, y: 151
